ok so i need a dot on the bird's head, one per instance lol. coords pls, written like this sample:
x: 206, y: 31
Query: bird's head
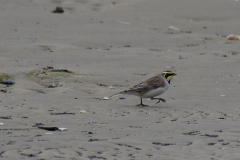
x: 168, y: 75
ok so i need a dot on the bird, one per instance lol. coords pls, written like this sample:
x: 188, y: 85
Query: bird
x: 151, y: 88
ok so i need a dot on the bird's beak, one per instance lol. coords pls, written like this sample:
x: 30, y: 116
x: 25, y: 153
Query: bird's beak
x: 174, y: 74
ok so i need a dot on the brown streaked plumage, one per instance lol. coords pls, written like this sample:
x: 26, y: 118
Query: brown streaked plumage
x: 151, y: 87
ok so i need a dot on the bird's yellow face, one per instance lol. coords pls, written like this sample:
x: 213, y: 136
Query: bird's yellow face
x: 168, y: 75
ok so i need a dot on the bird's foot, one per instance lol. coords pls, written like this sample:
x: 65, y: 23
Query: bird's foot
x: 142, y: 105
x: 159, y: 100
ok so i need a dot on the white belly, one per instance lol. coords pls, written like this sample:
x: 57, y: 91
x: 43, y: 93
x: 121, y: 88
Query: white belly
x: 154, y: 93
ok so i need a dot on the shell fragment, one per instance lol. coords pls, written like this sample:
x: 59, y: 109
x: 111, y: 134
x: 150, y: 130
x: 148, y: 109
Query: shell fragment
x: 83, y: 111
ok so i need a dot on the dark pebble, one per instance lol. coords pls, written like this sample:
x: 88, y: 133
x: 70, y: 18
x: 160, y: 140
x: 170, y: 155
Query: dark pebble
x: 225, y: 143
x: 163, y: 144
x: 103, y: 85
x: 8, y: 82
x: 62, y: 113
x: 211, y: 144
x: 7, y: 117
x: 58, y: 10
x: 49, y: 128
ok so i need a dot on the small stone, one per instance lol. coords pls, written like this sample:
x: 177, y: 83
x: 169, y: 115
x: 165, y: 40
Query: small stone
x: 8, y: 82
x: 58, y: 10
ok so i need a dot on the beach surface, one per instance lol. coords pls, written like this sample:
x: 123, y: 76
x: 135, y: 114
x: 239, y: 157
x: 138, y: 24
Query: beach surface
x: 109, y: 46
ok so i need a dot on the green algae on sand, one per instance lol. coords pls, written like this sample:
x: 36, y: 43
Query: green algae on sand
x: 51, y: 78
x: 4, y: 77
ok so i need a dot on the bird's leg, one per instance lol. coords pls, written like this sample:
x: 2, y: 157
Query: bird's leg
x: 141, y: 104
x: 159, y: 100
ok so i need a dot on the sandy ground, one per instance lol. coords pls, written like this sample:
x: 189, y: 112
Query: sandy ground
x: 115, y: 45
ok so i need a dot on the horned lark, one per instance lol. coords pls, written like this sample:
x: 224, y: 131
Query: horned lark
x: 151, y: 88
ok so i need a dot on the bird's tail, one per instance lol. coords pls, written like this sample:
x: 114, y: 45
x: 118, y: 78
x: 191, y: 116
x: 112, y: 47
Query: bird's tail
x: 123, y: 92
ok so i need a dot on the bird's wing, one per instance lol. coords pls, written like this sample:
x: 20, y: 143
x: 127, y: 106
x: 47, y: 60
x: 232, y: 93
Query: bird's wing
x: 145, y: 86
x: 149, y: 84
